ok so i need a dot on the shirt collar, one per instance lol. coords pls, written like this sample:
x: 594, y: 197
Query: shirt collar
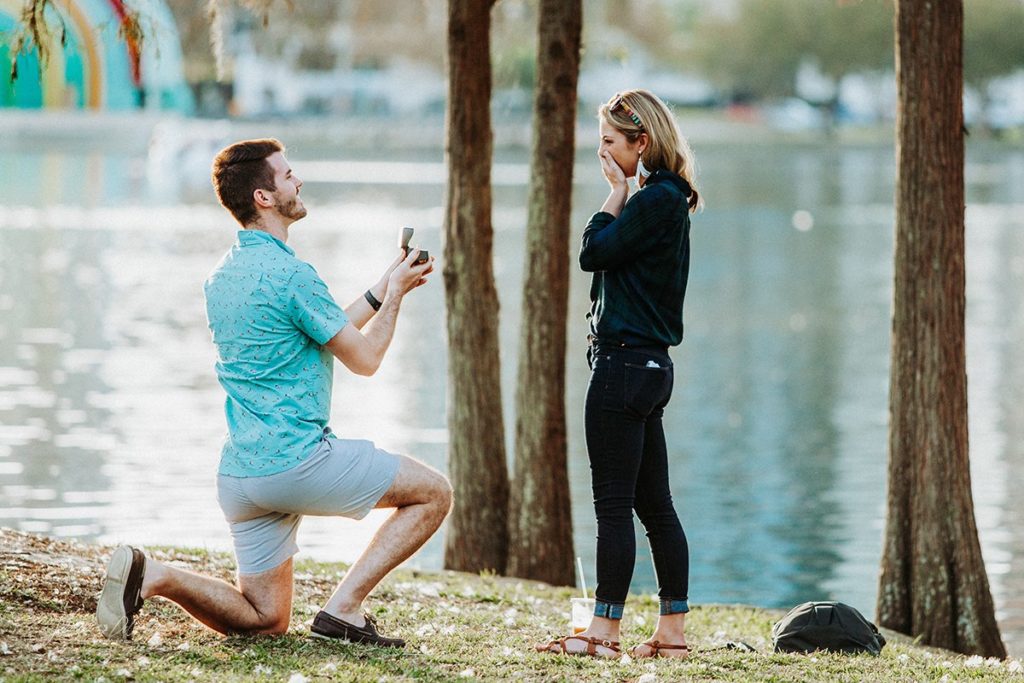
x: 248, y: 238
x: 674, y: 178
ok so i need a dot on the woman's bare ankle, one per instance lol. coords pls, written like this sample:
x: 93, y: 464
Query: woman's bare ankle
x: 605, y: 629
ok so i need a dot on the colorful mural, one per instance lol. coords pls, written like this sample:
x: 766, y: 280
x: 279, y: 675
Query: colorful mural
x: 95, y: 68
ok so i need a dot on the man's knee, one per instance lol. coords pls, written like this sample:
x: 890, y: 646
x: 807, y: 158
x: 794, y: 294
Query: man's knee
x: 438, y: 493
x: 419, y: 484
x: 273, y: 622
x: 275, y: 625
x: 444, y: 494
x: 270, y: 596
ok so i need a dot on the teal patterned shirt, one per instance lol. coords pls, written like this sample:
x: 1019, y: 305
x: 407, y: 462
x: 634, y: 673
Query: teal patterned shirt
x: 270, y: 315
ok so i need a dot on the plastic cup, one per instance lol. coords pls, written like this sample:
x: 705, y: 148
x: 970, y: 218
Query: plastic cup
x: 581, y: 612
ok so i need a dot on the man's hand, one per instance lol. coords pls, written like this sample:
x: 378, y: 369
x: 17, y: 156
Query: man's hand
x: 407, y: 276
x: 381, y: 288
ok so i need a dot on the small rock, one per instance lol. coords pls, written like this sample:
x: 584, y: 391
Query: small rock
x: 38, y: 649
x: 298, y: 678
x: 155, y: 640
x: 647, y: 678
x: 467, y: 673
x: 4, y: 650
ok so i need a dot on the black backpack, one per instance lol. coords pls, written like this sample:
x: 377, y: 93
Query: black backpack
x: 830, y: 626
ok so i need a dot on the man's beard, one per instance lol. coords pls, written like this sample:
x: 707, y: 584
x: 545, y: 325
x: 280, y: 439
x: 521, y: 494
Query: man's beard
x: 292, y: 210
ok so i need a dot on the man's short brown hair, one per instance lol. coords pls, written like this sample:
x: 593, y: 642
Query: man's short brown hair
x: 241, y: 169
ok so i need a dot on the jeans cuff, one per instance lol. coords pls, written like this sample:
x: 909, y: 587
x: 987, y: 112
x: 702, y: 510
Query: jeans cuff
x: 608, y: 610
x: 671, y: 606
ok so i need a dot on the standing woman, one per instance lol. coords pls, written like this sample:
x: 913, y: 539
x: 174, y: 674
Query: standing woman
x: 639, y: 253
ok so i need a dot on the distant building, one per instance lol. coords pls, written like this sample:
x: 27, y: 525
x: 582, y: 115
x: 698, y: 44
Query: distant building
x: 95, y: 68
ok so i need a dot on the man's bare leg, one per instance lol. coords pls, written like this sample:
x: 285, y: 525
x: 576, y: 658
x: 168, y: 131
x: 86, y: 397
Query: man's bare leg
x: 423, y: 497
x: 262, y: 603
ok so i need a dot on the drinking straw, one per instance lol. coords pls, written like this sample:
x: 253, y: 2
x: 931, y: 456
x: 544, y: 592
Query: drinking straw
x: 583, y: 580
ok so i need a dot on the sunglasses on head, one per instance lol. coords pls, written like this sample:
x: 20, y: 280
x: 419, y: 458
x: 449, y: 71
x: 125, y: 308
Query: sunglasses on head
x: 619, y: 103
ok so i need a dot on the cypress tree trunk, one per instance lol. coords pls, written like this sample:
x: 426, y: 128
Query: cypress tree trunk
x: 540, y: 514
x: 478, y: 528
x: 933, y: 582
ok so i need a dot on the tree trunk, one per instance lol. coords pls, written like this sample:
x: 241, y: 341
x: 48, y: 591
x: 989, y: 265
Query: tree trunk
x: 478, y: 528
x: 933, y: 582
x: 540, y: 513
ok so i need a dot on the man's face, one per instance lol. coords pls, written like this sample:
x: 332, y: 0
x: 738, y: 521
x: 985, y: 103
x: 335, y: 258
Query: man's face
x: 286, y: 196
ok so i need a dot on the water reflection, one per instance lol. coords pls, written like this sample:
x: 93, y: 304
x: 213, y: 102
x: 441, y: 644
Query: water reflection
x: 111, y: 418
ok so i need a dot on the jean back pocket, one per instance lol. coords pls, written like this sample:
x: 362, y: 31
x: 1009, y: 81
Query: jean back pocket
x: 647, y: 387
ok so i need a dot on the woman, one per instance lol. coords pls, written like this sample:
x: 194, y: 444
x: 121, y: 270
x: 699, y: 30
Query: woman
x: 639, y: 252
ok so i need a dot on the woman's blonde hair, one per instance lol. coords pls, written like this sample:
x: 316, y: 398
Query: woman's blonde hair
x: 634, y: 112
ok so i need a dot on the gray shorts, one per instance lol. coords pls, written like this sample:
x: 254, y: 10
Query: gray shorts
x: 343, y: 478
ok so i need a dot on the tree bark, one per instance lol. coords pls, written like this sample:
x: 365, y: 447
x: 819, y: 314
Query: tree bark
x: 540, y: 514
x: 933, y: 582
x: 477, y: 538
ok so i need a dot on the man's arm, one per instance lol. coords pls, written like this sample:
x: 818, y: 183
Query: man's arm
x: 360, y: 311
x: 362, y: 352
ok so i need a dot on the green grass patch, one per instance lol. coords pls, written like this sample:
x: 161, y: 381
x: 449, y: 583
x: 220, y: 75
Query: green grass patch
x: 459, y: 627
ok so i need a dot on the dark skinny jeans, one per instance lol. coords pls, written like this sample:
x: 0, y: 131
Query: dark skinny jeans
x: 626, y: 398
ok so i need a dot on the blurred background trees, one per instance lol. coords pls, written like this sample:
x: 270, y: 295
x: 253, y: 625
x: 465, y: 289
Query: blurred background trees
x: 358, y: 57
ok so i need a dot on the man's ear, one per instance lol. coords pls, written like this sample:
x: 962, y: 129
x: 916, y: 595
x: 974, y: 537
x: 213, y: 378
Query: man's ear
x: 262, y: 199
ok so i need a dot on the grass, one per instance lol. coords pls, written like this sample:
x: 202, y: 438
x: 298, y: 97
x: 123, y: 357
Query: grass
x: 459, y: 627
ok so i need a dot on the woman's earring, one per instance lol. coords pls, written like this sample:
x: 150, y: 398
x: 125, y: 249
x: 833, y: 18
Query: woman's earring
x: 641, y: 170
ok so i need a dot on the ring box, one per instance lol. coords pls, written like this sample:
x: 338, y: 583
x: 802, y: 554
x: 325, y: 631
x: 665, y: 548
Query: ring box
x: 404, y: 237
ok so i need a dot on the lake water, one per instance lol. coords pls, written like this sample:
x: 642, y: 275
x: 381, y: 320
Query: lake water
x: 111, y: 417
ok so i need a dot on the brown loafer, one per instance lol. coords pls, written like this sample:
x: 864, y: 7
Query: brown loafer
x: 121, y: 597
x: 332, y: 628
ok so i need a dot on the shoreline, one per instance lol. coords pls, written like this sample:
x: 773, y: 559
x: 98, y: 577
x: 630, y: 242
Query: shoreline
x: 114, y: 131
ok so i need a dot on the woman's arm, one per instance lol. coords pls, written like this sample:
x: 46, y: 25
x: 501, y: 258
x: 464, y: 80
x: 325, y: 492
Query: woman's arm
x: 610, y: 241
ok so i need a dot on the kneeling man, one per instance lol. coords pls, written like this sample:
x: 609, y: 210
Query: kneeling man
x: 277, y: 329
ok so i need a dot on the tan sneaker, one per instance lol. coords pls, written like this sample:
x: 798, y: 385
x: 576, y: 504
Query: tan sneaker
x: 121, y: 598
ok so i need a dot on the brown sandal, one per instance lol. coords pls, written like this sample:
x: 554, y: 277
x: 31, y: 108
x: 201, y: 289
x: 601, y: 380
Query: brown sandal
x: 591, y: 651
x: 657, y: 647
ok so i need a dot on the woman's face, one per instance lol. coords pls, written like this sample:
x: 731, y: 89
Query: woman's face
x: 624, y: 152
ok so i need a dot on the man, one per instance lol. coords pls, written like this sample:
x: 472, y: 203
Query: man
x: 277, y: 330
